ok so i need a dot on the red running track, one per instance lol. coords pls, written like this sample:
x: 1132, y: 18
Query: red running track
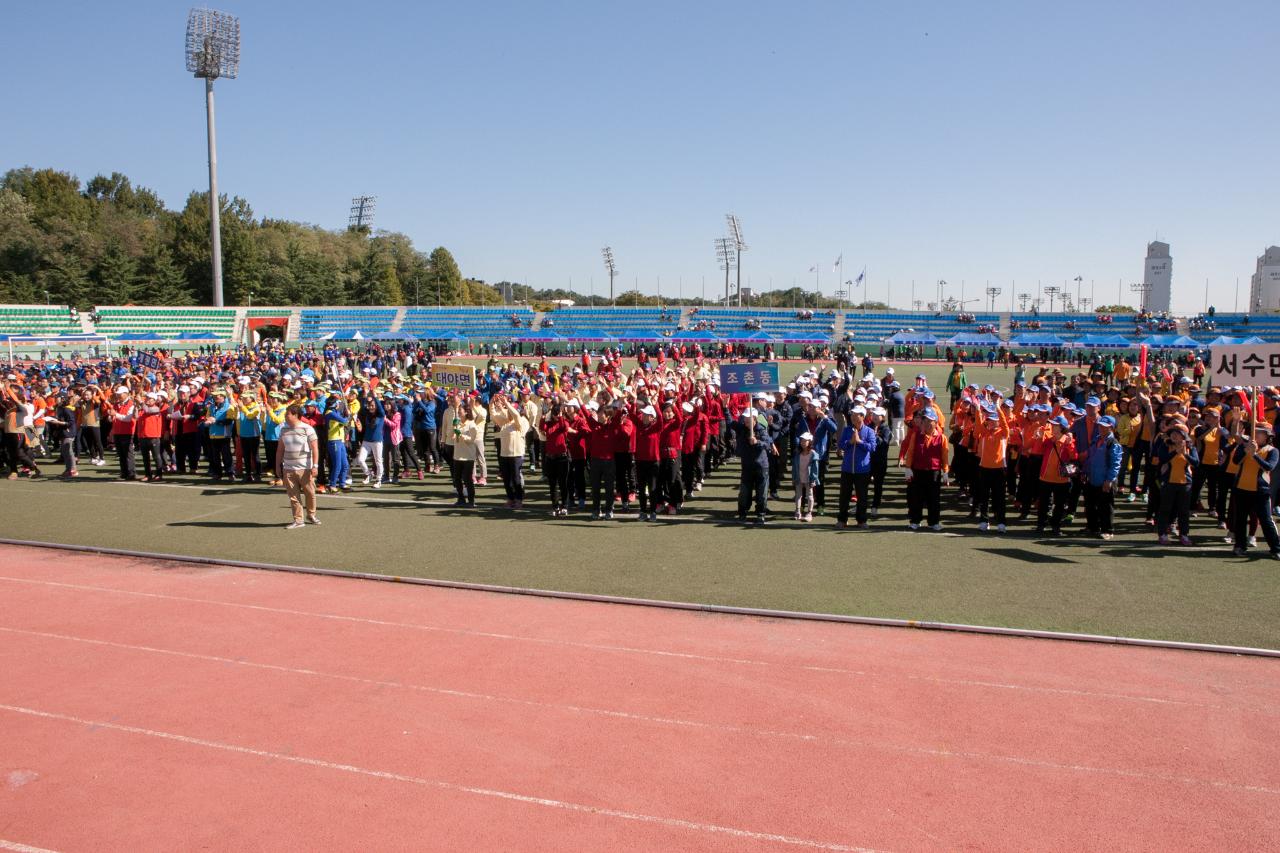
x: 148, y: 706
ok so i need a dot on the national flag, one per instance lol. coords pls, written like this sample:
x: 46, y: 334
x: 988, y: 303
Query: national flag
x: 861, y: 276
x: 813, y: 269
x: 836, y: 265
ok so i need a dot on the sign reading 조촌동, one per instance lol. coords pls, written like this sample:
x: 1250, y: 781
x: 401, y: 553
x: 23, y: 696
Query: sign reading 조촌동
x: 1245, y: 364
x: 748, y: 378
x: 461, y: 376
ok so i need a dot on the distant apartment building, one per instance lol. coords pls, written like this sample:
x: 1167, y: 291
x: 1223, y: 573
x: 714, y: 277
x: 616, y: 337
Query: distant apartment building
x: 1264, y: 286
x: 1158, y: 277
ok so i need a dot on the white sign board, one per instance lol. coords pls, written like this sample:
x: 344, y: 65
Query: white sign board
x: 1245, y: 364
x: 461, y: 376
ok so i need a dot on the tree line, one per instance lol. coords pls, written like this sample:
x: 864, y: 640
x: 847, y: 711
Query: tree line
x: 110, y: 242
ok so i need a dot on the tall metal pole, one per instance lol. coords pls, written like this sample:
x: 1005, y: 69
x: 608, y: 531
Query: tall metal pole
x: 739, y: 281
x: 215, y: 225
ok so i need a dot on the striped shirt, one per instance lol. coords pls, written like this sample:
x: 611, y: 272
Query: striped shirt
x: 296, y: 441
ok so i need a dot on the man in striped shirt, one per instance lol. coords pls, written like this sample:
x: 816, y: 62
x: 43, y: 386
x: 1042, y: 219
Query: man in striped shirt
x: 297, y: 459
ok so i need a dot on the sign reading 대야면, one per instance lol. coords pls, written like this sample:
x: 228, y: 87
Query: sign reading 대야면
x: 748, y: 378
x: 461, y: 376
x: 1245, y: 364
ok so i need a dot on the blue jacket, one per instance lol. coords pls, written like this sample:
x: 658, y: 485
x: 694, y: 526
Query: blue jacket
x: 822, y: 432
x: 424, y: 413
x: 221, y: 426
x: 372, y: 420
x: 857, y: 457
x: 815, y: 474
x: 1102, y: 463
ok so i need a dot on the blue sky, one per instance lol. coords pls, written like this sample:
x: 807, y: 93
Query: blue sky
x: 1003, y: 142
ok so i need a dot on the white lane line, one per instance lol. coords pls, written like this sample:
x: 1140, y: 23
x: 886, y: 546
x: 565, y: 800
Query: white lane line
x: 670, y: 822
x: 362, y: 496
x: 961, y: 682
x: 22, y: 848
x: 661, y: 721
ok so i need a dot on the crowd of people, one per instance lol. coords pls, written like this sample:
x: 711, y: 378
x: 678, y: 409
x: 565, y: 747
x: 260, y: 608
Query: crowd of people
x: 1054, y: 453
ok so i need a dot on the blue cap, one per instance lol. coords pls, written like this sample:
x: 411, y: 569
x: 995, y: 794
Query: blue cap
x: 1061, y: 421
x: 1021, y: 383
x: 1093, y: 401
x: 930, y: 415
x: 1107, y: 421
x: 988, y: 388
x: 928, y: 395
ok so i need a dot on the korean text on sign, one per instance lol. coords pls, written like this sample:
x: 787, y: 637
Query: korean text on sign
x: 461, y: 376
x: 748, y: 378
x: 1246, y: 364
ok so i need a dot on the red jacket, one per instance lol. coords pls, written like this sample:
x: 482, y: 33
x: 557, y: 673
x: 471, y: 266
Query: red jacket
x: 669, y: 439
x: 695, y: 432
x: 626, y: 436
x: 602, y: 438
x: 151, y: 424
x: 557, y: 433
x: 647, y: 439
x: 124, y: 422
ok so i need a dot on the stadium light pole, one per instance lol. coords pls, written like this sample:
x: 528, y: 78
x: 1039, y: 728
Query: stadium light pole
x: 735, y: 234
x: 993, y: 292
x: 361, y: 217
x: 725, y: 257
x: 611, y: 268
x: 213, y: 51
x: 1142, y: 288
x: 1052, y: 290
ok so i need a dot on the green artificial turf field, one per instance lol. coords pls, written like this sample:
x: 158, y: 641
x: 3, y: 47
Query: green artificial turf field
x: 1129, y: 586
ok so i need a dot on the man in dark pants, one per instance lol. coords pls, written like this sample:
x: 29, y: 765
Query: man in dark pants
x: 879, y: 459
x: 858, y: 441
x: 925, y: 458
x: 751, y: 431
x: 1102, y: 471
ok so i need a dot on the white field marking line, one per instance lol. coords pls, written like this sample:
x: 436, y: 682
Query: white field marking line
x: 665, y: 721
x: 200, y: 515
x: 961, y: 682
x: 21, y: 848
x: 670, y: 822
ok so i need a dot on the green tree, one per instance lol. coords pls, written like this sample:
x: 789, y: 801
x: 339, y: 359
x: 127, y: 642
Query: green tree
x: 160, y: 281
x: 115, y: 278
x: 446, y: 278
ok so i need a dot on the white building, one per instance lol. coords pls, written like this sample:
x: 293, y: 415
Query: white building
x: 1264, y: 286
x: 1158, y: 277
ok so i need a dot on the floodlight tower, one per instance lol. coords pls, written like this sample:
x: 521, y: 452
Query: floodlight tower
x: 725, y: 256
x: 362, y: 207
x: 213, y: 51
x: 1024, y: 298
x: 735, y: 234
x: 992, y: 293
x: 1052, y: 291
x: 611, y: 269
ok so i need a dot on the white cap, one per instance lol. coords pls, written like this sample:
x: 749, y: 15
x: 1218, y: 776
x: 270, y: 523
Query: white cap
x: 879, y: 411
x: 806, y: 436
x: 184, y: 389
x: 805, y: 395
x: 573, y: 401
x: 650, y: 411
x: 687, y: 407
x: 122, y: 390
x: 244, y: 380
x: 593, y: 406
x: 762, y: 395
x: 859, y: 410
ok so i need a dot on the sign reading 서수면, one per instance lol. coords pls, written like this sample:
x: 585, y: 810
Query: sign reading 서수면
x: 1245, y: 364
x: 748, y: 378
x: 462, y: 376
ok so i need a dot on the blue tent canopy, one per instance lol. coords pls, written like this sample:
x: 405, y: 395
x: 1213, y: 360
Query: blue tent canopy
x: 750, y: 336
x: 587, y: 335
x: 641, y: 335
x: 1227, y: 341
x: 912, y: 338
x: 345, y: 335
x: 691, y: 336
x: 534, y: 336
x: 139, y: 336
x: 439, y: 335
x: 975, y: 339
x: 1170, y: 341
x: 1103, y: 342
x: 1047, y: 339
x: 196, y: 336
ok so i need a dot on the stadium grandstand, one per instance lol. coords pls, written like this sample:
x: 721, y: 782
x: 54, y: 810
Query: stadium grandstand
x: 502, y: 324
